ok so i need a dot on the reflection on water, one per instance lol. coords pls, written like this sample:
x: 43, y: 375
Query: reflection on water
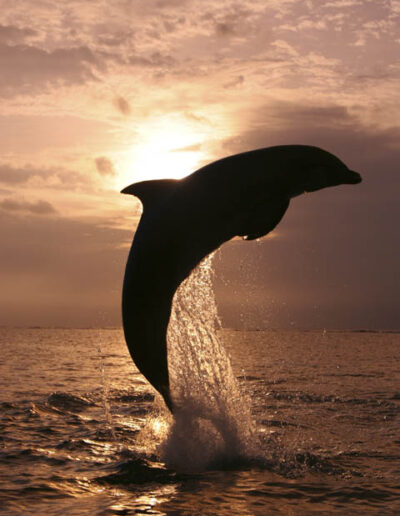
x: 326, y: 410
x: 105, y: 385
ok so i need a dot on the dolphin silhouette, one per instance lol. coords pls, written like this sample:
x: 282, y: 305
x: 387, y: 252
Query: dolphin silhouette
x: 184, y: 220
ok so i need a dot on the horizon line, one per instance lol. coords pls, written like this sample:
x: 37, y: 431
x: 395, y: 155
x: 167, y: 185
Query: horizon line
x: 223, y: 328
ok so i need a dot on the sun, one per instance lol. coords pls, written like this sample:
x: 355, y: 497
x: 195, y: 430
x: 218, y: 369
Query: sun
x: 167, y: 148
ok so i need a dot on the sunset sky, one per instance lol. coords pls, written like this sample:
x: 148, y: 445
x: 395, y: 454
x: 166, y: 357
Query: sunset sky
x: 96, y: 95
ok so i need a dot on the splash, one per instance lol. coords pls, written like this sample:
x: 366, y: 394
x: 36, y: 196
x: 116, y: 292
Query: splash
x: 105, y: 391
x: 212, y: 423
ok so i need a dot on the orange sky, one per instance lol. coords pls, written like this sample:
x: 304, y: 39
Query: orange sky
x: 96, y: 95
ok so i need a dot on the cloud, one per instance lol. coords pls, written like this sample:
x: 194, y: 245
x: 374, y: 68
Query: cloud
x: 372, y: 151
x: 110, y: 35
x: 239, y: 79
x: 336, y: 257
x: 38, y: 208
x: 330, y: 126
x: 50, y: 177
x: 26, y: 69
x: 173, y: 23
x: 154, y: 60
x: 13, y: 175
x: 215, y: 63
x: 189, y: 148
x: 9, y: 34
x: 224, y: 29
x: 122, y: 105
x: 104, y: 166
x: 60, y: 271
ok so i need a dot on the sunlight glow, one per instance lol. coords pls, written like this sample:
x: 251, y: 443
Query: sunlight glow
x: 164, y: 148
x: 159, y: 427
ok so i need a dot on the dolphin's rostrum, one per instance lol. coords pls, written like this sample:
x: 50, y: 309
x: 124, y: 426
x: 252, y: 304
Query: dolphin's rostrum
x: 184, y: 220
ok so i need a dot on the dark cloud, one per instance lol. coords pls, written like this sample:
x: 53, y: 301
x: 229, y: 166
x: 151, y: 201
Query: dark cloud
x: 58, y: 271
x: 167, y: 4
x: 172, y: 24
x: 27, y: 68
x: 53, y: 177
x: 239, y: 79
x: 155, y: 60
x: 122, y: 105
x: 37, y: 207
x: 224, y: 29
x: 13, y: 175
x: 333, y: 128
x: 233, y: 21
x: 104, y: 166
x: 334, y: 260
x: 111, y: 35
x: 323, y: 277
x: 9, y: 34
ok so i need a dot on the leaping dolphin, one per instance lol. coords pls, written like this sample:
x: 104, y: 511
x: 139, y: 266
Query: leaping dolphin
x: 185, y: 220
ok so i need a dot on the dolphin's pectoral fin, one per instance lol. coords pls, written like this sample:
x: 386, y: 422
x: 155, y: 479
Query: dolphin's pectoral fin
x: 264, y: 218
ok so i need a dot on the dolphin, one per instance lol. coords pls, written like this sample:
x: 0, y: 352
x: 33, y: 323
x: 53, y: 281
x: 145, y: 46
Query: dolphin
x: 184, y: 220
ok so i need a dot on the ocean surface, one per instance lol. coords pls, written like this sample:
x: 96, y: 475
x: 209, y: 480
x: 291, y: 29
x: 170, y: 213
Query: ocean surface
x: 82, y: 432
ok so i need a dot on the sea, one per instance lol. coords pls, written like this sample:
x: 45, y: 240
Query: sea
x: 267, y: 422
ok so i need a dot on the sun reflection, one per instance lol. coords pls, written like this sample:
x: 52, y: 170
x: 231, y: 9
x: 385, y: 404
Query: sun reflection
x: 151, y: 500
x: 170, y: 147
x: 159, y: 426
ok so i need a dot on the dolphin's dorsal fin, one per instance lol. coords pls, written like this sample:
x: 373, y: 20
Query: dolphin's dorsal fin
x: 151, y: 192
